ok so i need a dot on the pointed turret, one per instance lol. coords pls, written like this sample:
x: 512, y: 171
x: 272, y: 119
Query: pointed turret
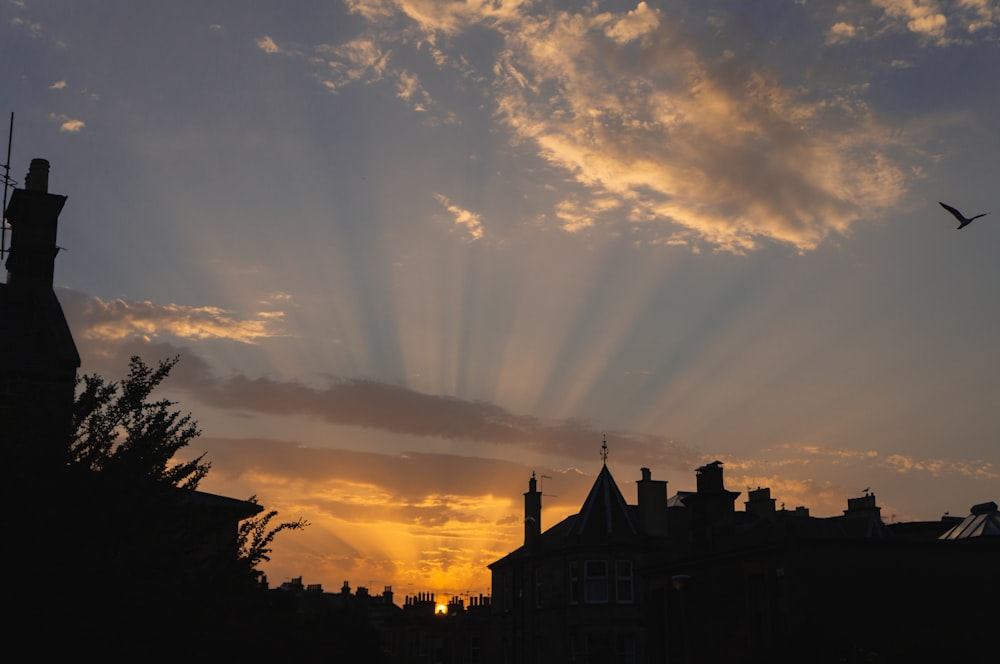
x: 604, y: 513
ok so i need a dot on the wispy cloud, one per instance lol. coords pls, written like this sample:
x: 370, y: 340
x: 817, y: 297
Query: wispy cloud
x: 120, y: 320
x: 654, y: 129
x: 789, y: 455
x: 33, y: 28
x: 58, y: 85
x: 409, y: 89
x: 470, y: 221
x: 937, y: 467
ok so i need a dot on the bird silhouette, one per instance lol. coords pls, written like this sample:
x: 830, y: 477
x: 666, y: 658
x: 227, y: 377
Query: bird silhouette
x: 963, y: 221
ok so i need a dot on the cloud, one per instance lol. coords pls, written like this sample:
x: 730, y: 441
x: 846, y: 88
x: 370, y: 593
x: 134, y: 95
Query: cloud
x: 58, y: 85
x: 267, y: 45
x: 936, y: 467
x: 360, y: 59
x: 931, y: 22
x: 119, y: 320
x: 790, y: 455
x: 636, y: 23
x: 364, y: 480
x: 464, y: 218
x: 409, y: 89
x: 400, y: 410
x: 33, y: 28
x: 67, y: 124
x: 655, y: 128
x: 719, y: 149
x: 107, y: 331
x: 923, y: 17
x: 840, y: 32
x: 978, y: 14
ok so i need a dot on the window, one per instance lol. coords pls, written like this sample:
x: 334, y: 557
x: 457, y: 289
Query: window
x: 596, y: 580
x: 574, y: 582
x: 623, y: 581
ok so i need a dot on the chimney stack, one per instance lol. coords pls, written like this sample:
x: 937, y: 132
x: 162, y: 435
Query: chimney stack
x: 33, y: 215
x: 532, y: 514
x: 652, y: 504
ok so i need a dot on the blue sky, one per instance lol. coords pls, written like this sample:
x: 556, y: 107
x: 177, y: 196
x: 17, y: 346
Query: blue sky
x: 411, y: 251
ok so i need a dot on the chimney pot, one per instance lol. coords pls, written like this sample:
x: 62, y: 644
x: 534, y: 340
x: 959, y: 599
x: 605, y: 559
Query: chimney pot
x: 37, y: 178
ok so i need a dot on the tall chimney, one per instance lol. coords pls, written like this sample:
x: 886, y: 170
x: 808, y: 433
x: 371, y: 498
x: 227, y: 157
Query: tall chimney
x: 652, y: 504
x: 532, y: 514
x: 33, y: 215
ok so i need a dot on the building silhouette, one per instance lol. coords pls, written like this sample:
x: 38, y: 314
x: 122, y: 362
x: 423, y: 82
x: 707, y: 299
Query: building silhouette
x: 38, y: 358
x: 691, y: 579
x: 99, y: 564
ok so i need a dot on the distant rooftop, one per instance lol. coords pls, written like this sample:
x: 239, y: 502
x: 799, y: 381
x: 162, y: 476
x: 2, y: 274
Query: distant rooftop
x: 984, y: 521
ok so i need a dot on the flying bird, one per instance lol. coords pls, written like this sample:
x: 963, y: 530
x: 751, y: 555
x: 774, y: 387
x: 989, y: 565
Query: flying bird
x: 963, y: 221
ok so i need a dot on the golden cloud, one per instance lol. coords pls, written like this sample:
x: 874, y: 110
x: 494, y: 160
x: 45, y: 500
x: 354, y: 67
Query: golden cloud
x: 267, y: 45
x: 119, y: 320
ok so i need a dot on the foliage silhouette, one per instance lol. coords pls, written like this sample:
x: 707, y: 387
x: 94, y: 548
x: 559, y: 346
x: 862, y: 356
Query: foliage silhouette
x: 255, y: 536
x: 117, y: 430
x: 128, y: 438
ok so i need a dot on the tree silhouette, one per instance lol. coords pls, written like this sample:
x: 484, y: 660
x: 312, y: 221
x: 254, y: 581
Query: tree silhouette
x: 123, y: 435
x: 118, y: 431
x: 255, y: 536
x: 123, y: 554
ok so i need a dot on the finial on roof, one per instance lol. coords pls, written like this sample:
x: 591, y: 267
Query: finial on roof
x: 604, y: 449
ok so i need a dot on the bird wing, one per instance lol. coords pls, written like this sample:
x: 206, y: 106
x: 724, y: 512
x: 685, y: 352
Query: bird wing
x: 958, y: 215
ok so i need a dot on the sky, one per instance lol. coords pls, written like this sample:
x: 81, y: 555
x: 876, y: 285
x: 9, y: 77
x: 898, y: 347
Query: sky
x: 410, y: 252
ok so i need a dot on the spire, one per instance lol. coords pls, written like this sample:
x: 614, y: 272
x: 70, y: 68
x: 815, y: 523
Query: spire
x: 604, y: 450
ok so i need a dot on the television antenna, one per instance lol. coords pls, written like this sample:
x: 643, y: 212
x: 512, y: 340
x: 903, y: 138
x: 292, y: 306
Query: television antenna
x: 7, y: 182
x: 550, y: 495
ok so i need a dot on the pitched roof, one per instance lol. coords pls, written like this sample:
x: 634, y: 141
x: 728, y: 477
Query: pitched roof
x: 605, y: 511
